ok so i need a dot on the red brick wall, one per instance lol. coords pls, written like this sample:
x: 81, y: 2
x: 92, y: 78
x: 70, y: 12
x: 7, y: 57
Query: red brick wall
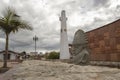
x: 104, y: 42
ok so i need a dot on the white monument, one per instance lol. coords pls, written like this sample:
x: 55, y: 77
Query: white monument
x: 64, y: 50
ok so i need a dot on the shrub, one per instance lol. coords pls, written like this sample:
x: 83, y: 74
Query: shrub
x: 53, y: 55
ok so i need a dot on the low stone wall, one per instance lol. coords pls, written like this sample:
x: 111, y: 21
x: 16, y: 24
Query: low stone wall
x: 96, y: 63
x: 105, y: 63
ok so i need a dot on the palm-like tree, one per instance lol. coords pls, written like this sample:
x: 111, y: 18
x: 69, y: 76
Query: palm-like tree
x: 11, y: 22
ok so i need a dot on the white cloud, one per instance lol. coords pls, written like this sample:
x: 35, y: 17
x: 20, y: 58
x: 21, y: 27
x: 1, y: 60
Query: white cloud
x: 43, y: 15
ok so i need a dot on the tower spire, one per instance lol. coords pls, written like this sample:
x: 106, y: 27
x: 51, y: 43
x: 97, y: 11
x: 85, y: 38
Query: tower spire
x: 64, y: 50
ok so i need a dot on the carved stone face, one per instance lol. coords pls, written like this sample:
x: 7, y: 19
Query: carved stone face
x: 79, y: 48
x: 78, y: 42
x: 76, y: 49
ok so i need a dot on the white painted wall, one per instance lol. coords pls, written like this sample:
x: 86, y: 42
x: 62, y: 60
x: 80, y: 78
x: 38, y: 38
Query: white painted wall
x: 12, y: 56
x: 1, y: 57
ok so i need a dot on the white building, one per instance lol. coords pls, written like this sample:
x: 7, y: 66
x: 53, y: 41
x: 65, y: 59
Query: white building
x: 11, y: 55
x: 33, y: 53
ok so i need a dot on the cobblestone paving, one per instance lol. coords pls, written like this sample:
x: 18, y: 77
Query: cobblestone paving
x: 48, y: 70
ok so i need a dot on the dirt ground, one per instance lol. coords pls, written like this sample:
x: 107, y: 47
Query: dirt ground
x: 10, y: 65
x: 48, y: 70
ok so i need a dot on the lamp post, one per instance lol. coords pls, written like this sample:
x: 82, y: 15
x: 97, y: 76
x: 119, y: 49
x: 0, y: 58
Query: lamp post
x: 35, y: 38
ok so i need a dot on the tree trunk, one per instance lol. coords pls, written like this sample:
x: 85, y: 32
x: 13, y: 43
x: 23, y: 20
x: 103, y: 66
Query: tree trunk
x: 6, y: 51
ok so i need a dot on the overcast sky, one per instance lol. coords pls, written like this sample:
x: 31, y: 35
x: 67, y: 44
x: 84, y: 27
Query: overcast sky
x: 44, y: 15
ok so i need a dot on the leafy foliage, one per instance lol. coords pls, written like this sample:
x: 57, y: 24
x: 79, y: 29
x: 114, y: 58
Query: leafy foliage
x: 11, y: 22
x: 53, y: 55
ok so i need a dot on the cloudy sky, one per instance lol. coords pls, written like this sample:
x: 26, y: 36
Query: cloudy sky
x: 43, y: 15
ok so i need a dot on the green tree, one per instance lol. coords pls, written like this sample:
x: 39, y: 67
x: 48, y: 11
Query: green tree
x: 53, y: 55
x: 11, y: 22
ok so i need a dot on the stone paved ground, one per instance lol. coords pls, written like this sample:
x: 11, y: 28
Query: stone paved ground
x: 46, y: 70
x: 10, y: 64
